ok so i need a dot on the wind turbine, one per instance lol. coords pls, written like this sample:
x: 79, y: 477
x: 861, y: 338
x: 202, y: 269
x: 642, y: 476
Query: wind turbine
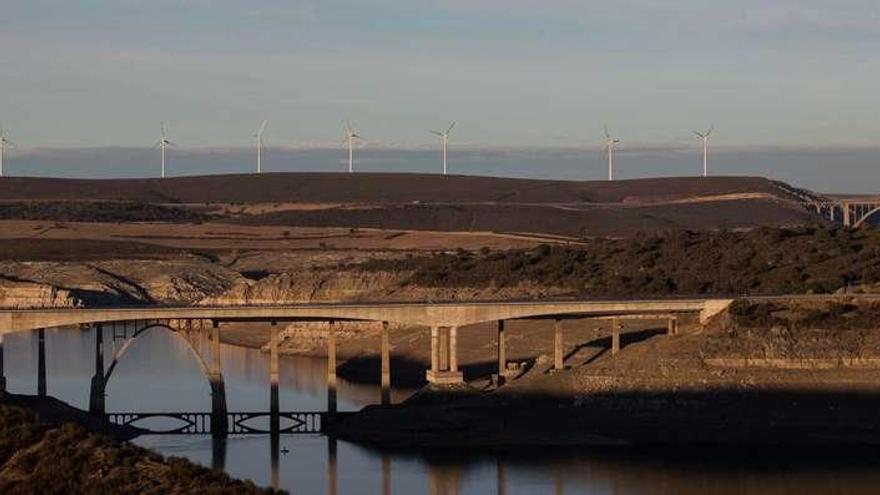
x: 162, y: 144
x: 3, y: 142
x: 609, y: 149
x: 350, y: 135
x: 259, y: 136
x: 444, y: 135
x: 705, y: 137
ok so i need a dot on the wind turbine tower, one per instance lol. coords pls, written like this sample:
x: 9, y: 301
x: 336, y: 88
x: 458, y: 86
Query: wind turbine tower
x: 350, y: 136
x: 444, y: 136
x: 162, y: 144
x: 3, y: 142
x: 610, y: 143
x: 259, y: 136
x: 705, y: 137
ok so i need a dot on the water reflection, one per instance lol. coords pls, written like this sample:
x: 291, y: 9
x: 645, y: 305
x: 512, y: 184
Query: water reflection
x: 159, y: 374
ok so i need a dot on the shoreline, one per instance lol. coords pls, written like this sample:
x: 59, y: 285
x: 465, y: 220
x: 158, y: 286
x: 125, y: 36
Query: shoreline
x: 722, y: 418
x: 48, y: 446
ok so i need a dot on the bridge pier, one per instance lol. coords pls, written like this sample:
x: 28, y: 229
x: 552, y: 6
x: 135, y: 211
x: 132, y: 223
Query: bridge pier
x: 2, y: 370
x: 386, y: 474
x: 672, y: 326
x: 502, y: 353
x: 331, y: 465
x: 386, y: 365
x: 615, y: 336
x: 444, y: 348
x: 219, y: 418
x: 435, y: 350
x: 97, y: 391
x: 558, y: 356
x: 444, y: 357
x: 218, y: 454
x: 331, y: 368
x: 41, y: 362
x: 275, y: 461
x: 274, y: 419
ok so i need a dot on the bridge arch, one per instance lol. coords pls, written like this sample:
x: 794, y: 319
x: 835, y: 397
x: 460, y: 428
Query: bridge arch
x: 128, y: 343
x: 864, y: 218
x: 219, y: 420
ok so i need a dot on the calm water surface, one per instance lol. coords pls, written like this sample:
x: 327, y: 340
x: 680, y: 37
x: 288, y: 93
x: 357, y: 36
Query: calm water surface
x: 159, y: 374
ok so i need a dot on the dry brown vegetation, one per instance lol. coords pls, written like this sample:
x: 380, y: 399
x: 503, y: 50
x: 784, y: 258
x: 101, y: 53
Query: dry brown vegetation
x: 315, y: 187
x: 36, y: 458
x: 764, y: 261
x: 574, y: 209
x: 97, y: 211
x: 799, y: 329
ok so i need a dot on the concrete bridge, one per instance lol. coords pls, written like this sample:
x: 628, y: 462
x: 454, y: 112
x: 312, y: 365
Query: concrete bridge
x: 202, y: 322
x: 850, y: 212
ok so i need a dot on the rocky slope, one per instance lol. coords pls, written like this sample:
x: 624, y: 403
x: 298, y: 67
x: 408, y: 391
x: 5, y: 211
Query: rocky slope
x: 53, y: 284
x: 40, y: 457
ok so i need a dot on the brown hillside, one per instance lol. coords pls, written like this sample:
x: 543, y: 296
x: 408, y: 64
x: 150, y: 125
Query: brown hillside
x: 586, y: 221
x: 379, y: 188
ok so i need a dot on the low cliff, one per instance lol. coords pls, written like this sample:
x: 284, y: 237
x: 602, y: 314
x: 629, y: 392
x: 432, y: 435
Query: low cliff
x: 18, y: 294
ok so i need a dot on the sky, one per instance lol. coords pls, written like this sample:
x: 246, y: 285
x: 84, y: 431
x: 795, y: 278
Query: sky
x: 514, y: 74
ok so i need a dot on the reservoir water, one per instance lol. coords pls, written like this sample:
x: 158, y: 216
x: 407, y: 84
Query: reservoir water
x: 159, y: 373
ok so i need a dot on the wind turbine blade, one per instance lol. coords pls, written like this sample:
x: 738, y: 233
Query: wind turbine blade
x: 700, y: 134
x: 348, y: 127
x: 262, y: 128
x: 607, y: 134
x: 437, y: 133
x: 162, y: 128
x: 450, y: 127
x: 710, y: 130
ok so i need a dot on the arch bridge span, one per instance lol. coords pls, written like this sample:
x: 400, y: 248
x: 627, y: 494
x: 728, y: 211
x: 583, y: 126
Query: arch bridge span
x: 421, y: 314
x: 443, y: 319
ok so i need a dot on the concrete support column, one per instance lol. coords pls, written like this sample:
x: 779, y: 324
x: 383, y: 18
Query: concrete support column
x: 2, y: 369
x: 501, y: 488
x: 558, y: 345
x: 453, y: 349
x: 331, y: 465
x: 219, y: 417
x: 502, y: 352
x: 672, y: 327
x: 386, y: 365
x: 274, y: 419
x: 846, y: 217
x: 444, y: 357
x: 435, y: 349
x: 41, y: 362
x: 444, y: 348
x: 386, y: 475
x: 331, y: 368
x: 97, y: 391
x: 615, y: 336
x: 215, y: 349
x: 218, y: 454
x: 275, y: 461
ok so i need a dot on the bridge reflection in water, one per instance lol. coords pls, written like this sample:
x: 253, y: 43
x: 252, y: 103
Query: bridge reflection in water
x: 160, y: 374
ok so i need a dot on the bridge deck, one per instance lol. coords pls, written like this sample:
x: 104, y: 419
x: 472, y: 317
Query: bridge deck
x: 425, y: 314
